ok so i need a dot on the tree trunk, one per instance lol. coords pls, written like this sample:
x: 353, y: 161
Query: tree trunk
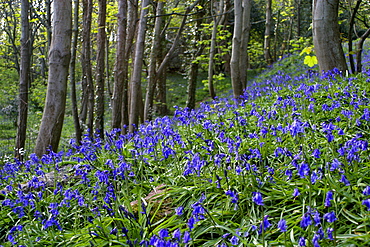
x: 194, y: 66
x: 72, y: 71
x: 100, y: 68
x: 212, y: 48
x: 243, y: 64
x: 120, y: 78
x: 152, y: 83
x: 326, y: 36
x: 350, y: 33
x: 298, y: 8
x: 24, y: 80
x: 268, y: 25
x: 239, y: 59
x: 86, y: 60
x: 136, y: 74
x: 235, y: 52
x: 359, y: 50
x: 132, y: 22
x: 59, y: 58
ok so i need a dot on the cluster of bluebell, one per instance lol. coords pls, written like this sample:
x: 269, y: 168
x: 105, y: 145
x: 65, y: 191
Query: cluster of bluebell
x: 282, y: 159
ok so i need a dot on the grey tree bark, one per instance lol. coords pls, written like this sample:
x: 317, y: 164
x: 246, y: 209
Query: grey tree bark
x: 72, y: 74
x: 268, y: 27
x: 326, y: 36
x: 246, y: 28
x: 59, y: 58
x: 120, y: 79
x: 138, y: 64
x: 350, y: 33
x: 212, y: 49
x: 100, y: 68
x: 152, y: 68
x: 194, y: 66
x: 359, y: 50
x: 239, y: 59
x: 24, y: 80
x: 87, y: 104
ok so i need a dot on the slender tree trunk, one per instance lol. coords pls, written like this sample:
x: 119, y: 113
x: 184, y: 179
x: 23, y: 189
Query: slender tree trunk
x: 194, y: 66
x: 152, y: 83
x: 72, y: 72
x: 350, y: 33
x: 120, y: 71
x: 59, y: 58
x: 239, y: 59
x: 107, y: 64
x: 132, y: 22
x: 359, y: 50
x: 87, y: 105
x: 48, y: 23
x: 212, y: 48
x: 243, y: 64
x: 268, y: 25
x: 24, y: 80
x: 100, y: 68
x: 326, y: 36
x: 136, y: 74
x: 235, y: 53
x: 298, y: 18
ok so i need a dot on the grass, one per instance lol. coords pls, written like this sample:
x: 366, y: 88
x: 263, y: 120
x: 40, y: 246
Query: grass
x: 286, y: 166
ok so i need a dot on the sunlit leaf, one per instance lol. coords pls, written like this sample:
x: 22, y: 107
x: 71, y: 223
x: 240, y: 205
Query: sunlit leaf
x: 310, y: 61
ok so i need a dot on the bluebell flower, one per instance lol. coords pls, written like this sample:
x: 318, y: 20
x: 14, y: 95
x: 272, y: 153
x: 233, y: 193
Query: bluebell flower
x: 316, y: 218
x: 304, y: 170
x: 113, y: 231
x: 335, y: 164
x: 265, y: 224
x: 11, y: 239
x: 366, y: 191
x: 302, y: 241
x: 316, y: 153
x: 177, y: 234
x: 186, y: 238
x: 306, y: 221
x: 282, y: 225
x: 320, y: 233
x: 289, y: 174
x: 191, y: 223
x: 257, y: 198
x: 330, y: 217
x: 51, y: 222
x: 314, y: 177
x: 366, y: 202
x: 179, y: 210
x: 234, y: 196
x: 163, y: 233
x: 315, y: 240
x: 328, y: 199
x: 234, y: 240
x: 344, y: 180
x: 330, y: 233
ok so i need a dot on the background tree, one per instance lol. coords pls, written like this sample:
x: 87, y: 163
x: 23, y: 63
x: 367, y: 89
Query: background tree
x: 59, y: 58
x: 24, y: 80
x: 120, y: 75
x: 72, y: 73
x: 136, y: 74
x: 326, y: 36
x: 100, y: 68
x: 240, y: 41
x: 87, y: 101
x: 268, y: 26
